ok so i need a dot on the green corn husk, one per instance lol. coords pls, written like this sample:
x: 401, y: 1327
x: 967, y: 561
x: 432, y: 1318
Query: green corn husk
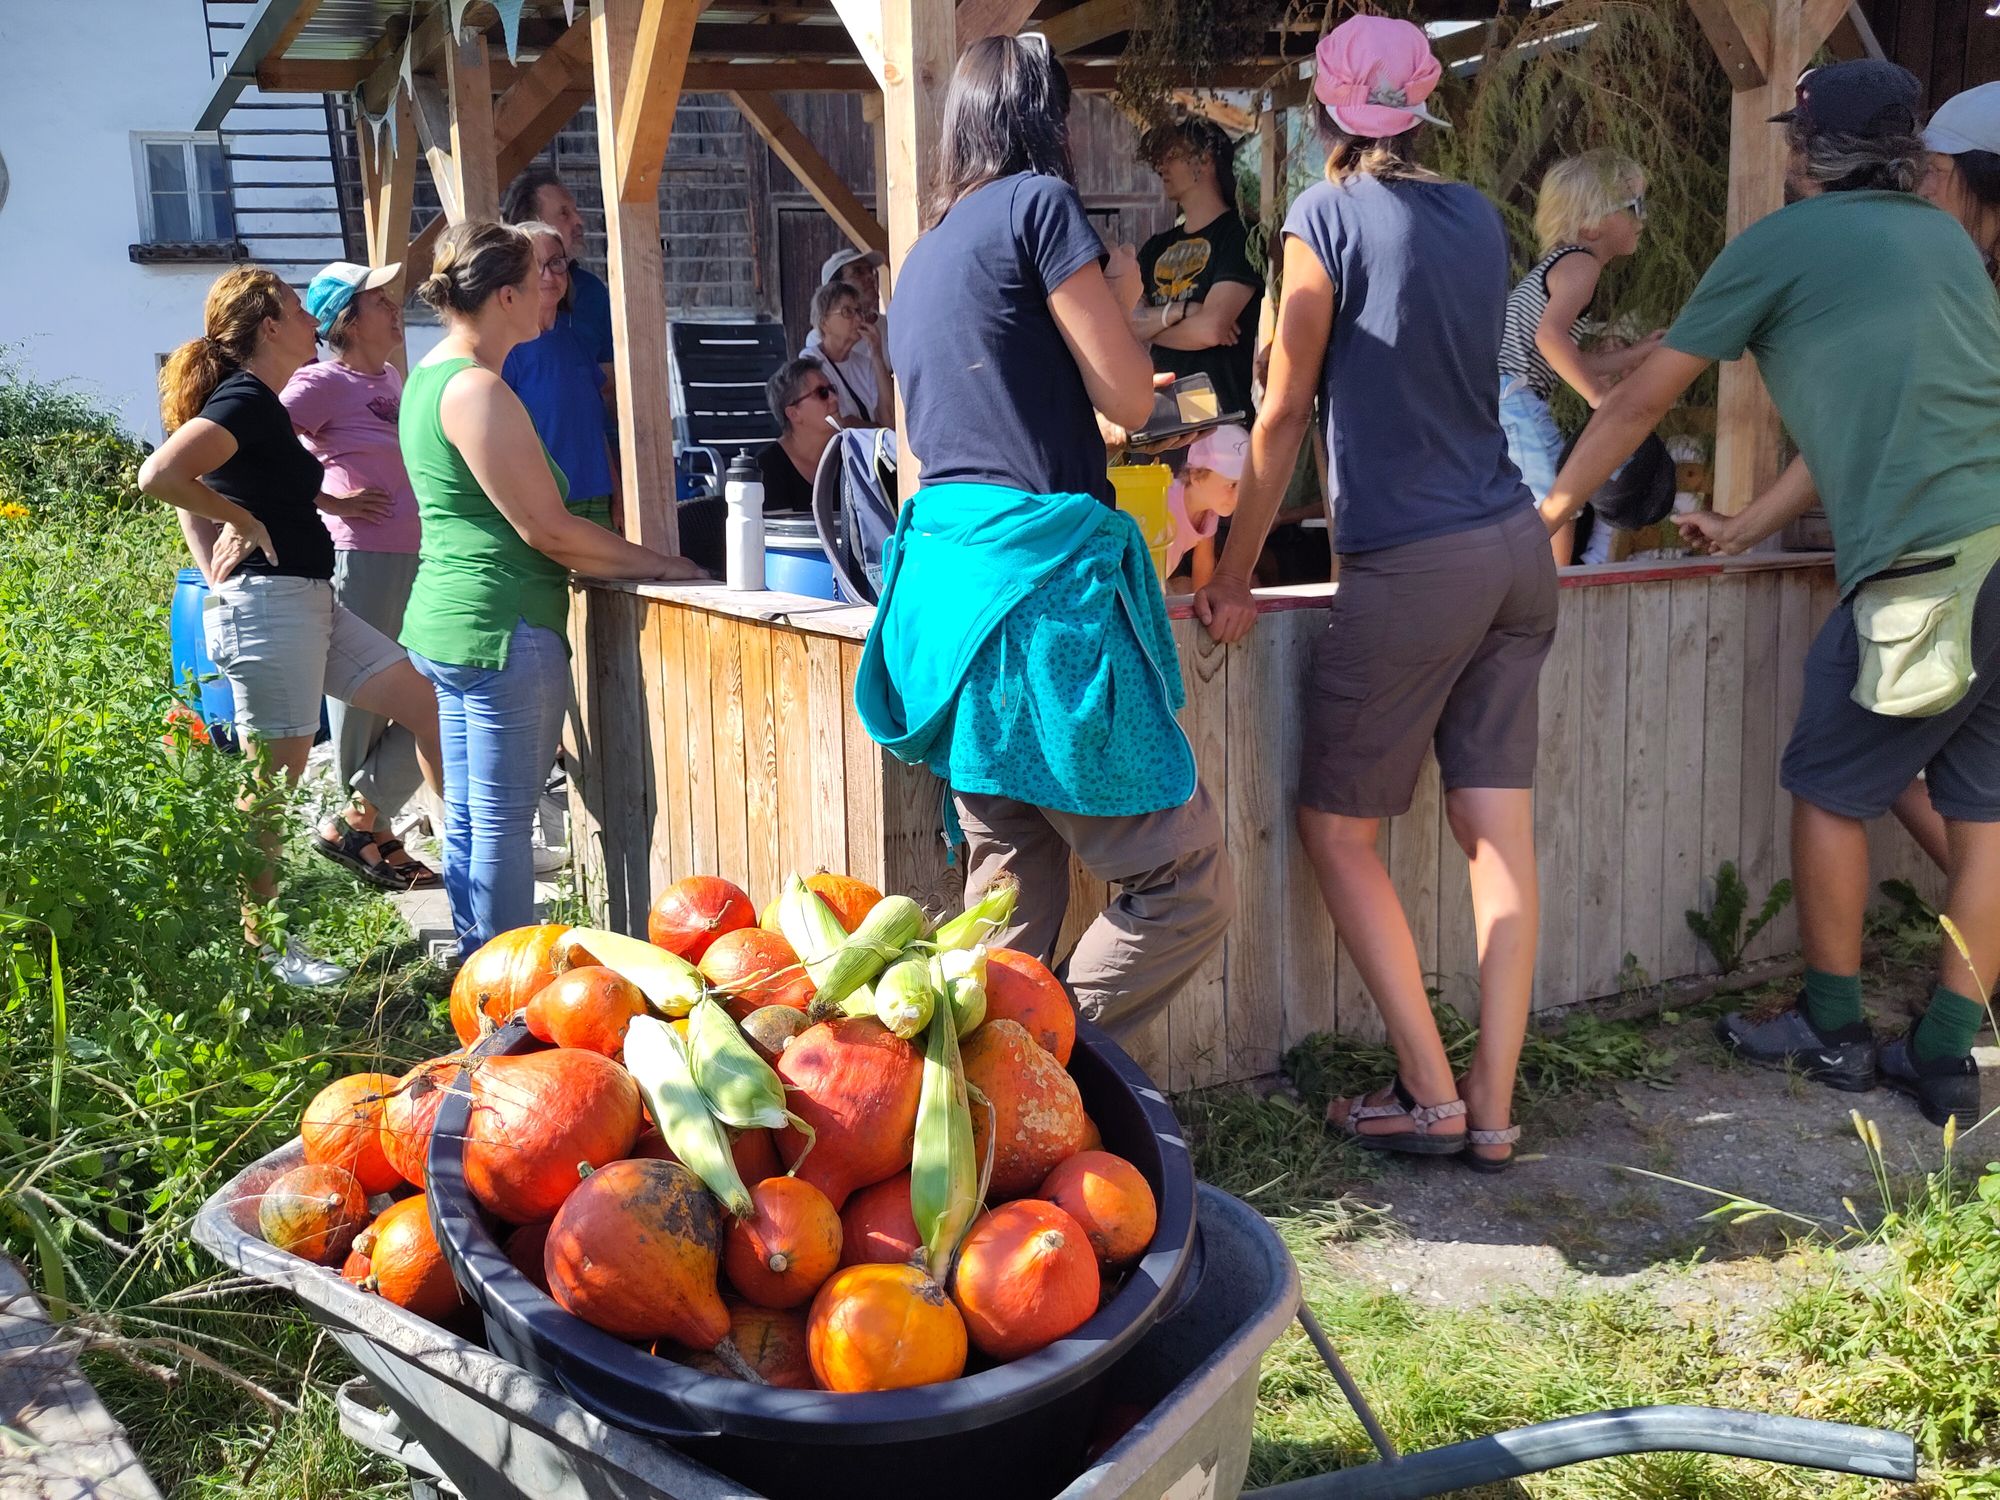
x: 810, y: 926
x: 740, y: 1087
x: 891, y: 925
x: 658, y: 1061
x: 905, y: 998
x: 992, y: 911
x: 960, y: 977
x: 945, y: 1186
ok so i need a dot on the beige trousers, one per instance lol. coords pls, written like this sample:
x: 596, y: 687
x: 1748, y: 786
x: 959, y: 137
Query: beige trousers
x: 1175, y: 896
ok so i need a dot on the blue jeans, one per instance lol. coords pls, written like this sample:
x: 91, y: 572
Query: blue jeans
x: 1535, y: 444
x: 500, y: 730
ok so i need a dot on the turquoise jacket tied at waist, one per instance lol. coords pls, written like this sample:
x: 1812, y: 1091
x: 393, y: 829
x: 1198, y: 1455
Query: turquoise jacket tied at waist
x: 1021, y: 649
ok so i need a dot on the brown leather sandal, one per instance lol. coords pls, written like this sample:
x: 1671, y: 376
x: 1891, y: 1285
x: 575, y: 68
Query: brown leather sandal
x: 1417, y: 1141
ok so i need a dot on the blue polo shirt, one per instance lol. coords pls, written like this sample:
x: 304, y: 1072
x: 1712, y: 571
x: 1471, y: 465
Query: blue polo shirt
x: 560, y: 384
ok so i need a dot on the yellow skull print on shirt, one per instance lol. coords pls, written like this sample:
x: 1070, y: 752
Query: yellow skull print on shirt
x: 1178, y: 269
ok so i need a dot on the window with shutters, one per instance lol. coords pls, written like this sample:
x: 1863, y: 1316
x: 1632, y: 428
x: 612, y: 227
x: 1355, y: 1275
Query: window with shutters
x: 185, y: 201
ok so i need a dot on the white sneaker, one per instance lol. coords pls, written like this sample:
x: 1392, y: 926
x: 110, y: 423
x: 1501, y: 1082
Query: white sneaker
x: 295, y: 966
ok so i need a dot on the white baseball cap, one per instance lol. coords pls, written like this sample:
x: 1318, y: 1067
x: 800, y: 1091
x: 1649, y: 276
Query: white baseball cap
x: 1966, y: 122
x: 840, y: 260
x: 1224, y: 449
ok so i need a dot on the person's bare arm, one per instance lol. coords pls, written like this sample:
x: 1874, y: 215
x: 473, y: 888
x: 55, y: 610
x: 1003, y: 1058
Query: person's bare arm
x: 1572, y: 282
x: 486, y: 422
x: 1211, y: 322
x: 1201, y: 562
x: 1305, y: 326
x: 1790, y: 496
x: 174, y: 472
x: 1628, y: 414
x: 1117, y: 373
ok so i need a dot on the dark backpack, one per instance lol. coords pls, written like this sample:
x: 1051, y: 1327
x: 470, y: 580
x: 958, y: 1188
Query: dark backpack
x: 854, y: 507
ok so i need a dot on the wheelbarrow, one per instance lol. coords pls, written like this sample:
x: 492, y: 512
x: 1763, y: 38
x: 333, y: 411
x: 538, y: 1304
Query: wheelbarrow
x: 468, y: 1423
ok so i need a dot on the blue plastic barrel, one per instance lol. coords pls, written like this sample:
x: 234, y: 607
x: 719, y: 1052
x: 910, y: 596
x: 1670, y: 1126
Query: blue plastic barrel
x: 794, y: 561
x: 190, y: 655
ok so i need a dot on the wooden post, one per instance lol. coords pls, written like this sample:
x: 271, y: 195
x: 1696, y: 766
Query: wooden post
x: 981, y: 18
x: 919, y: 46
x: 638, y: 52
x: 871, y: 112
x: 1763, y: 46
x: 789, y: 144
x: 388, y: 184
x: 469, y: 82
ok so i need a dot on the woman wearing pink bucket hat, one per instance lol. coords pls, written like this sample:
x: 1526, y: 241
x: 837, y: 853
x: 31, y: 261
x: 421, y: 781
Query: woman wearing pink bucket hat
x: 1395, y: 282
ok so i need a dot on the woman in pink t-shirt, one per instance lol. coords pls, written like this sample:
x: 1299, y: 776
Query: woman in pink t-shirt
x: 344, y: 409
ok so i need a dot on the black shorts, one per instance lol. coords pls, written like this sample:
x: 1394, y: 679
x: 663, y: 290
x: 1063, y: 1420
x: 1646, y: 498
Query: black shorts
x: 1854, y: 762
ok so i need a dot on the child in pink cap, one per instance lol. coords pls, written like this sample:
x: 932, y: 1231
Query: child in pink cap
x: 1203, y: 493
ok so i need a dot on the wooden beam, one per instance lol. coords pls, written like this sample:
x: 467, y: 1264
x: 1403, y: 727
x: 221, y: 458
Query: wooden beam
x: 863, y: 20
x: 433, y: 116
x: 619, y: 30
x: 289, y: 32
x: 1273, y: 140
x: 309, y: 75
x: 730, y: 41
x: 388, y: 184
x: 544, y: 98
x: 651, y: 94
x: 789, y: 144
x: 1740, y: 33
x: 473, y: 149
x: 1092, y: 21
x: 983, y: 18
x: 1854, y: 38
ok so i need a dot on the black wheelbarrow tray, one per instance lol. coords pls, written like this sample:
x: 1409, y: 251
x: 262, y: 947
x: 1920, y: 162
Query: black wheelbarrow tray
x: 470, y: 1422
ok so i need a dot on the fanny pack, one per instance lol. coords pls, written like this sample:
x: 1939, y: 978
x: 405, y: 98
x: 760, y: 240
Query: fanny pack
x: 1913, y: 622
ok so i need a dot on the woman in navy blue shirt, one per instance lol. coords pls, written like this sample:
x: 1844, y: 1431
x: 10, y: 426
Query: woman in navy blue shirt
x: 1021, y: 648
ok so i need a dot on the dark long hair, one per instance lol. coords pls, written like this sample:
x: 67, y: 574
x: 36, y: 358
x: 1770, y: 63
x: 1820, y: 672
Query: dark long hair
x: 1007, y: 111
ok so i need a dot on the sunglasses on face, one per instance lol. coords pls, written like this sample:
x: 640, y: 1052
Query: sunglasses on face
x: 1636, y: 207
x: 817, y: 393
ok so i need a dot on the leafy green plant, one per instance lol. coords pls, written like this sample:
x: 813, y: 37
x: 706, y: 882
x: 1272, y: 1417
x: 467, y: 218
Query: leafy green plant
x: 58, y: 453
x: 1722, y: 927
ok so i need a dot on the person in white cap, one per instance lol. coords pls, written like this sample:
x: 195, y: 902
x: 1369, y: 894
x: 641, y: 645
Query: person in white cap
x: 1962, y: 172
x: 1202, y: 494
x: 344, y: 410
x: 862, y: 270
x: 849, y: 348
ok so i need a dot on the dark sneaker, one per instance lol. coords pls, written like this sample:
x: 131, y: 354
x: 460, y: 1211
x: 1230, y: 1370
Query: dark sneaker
x: 1942, y: 1087
x: 1843, y: 1059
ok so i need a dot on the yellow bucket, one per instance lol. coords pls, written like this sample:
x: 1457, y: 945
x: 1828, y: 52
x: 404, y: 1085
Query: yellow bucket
x: 1141, y: 490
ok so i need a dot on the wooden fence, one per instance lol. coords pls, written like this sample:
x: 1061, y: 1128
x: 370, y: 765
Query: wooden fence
x: 715, y: 734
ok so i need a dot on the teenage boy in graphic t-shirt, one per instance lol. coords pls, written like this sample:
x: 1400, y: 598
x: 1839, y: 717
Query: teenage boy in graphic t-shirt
x: 1199, y: 311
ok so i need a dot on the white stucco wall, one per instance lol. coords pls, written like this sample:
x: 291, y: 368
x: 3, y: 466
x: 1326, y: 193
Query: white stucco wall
x: 81, y: 78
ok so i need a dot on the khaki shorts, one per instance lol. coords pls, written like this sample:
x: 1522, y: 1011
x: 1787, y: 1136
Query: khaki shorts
x: 282, y: 643
x: 1437, y: 642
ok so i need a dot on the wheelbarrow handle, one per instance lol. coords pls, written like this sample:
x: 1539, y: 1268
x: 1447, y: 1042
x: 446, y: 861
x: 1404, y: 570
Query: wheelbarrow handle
x: 1833, y: 1446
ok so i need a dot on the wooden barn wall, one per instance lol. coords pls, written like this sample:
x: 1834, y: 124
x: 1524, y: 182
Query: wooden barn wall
x: 1952, y: 45
x: 795, y: 236
x: 706, y: 744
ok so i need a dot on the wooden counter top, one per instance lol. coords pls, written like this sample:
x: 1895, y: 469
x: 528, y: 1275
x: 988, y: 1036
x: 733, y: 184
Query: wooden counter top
x: 850, y: 622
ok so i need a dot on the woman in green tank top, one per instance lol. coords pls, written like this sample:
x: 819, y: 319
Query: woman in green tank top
x: 487, y: 613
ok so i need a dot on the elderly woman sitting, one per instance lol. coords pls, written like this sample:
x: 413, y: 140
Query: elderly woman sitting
x: 803, y: 400
x: 849, y: 347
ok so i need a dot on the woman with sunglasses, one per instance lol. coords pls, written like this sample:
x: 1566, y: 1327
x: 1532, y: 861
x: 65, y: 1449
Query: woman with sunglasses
x: 1590, y: 211
x: 808, y: 411
x: 560, y: 383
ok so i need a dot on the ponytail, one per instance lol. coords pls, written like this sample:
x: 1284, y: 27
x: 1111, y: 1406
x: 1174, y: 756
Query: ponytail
x: 233, y: 320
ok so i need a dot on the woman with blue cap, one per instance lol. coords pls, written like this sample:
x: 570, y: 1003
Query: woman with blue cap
x: 344, y: 410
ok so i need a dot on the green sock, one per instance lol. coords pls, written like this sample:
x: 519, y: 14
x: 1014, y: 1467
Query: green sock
x: 1832, y: 1000
x: 1948, y: 1027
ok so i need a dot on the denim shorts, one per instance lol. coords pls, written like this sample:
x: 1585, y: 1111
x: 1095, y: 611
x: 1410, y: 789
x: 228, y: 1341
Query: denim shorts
x: 1534, y: 442
x: 282, y: 644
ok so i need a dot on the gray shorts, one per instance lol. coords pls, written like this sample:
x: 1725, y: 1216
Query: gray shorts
x: 1854, y: 762
x: 1436, y: 642
x: 282, y: 644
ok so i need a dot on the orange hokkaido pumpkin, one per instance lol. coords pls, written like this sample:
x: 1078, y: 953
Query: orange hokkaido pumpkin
x: 1112, y: 1201
x: 770, y: 1029
x: 537, y: 1120
x: 692, y: 913
x: 770, y: 1340
x: 525, y: 1247
x: 877, y: 1225
x: 589, y: 1006
x: 404, y: 1261
x: 753, y: 968
x: 779, y: 1256
x: 501, y: 977
x: 314, y: 1212
x: 847, y: 898
x: 1026, y: 1277
x: 1093, y: 1138
x: 856, y: 1083
x: 754, y: 1152
x: 412, y: 1109
x: 884, y: 1328
x: 633, y: 1252
x: 1019, y: 987
x: 343, y: 1128
x: 1036, y: 1118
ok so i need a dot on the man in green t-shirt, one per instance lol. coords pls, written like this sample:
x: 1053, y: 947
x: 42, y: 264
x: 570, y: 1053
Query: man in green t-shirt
x: 1877, y: 332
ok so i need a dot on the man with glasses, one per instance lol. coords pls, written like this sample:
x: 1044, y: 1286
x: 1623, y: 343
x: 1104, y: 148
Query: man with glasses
x: 538, y: 196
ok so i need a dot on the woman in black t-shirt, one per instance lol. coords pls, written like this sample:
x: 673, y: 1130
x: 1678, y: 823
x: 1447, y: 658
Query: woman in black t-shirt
x: 250, y: 500
x: 807, y: 408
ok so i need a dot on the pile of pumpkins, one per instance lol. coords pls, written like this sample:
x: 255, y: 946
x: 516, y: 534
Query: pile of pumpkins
x: 824, y: 1282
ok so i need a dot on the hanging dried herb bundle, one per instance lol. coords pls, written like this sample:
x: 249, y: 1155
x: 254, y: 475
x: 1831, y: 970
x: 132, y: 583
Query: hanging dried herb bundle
x: 1180, y: 44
